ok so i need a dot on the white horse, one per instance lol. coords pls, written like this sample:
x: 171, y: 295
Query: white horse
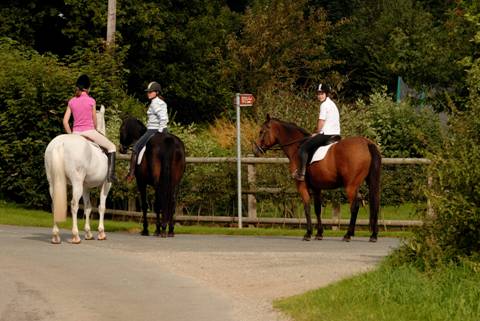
x: 72, y: 159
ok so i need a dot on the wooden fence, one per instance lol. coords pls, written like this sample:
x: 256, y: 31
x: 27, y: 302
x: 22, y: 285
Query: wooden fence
x: 252, y: 189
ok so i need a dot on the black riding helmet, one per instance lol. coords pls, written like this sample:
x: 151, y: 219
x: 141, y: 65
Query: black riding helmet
x: 154, y: 86
x: 83, y: 82
x: 324, y: 88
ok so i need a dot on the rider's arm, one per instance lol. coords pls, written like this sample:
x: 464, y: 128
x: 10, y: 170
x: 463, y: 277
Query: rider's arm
x: 94, y: 115
x: 66, y: 119
x: 320, y: 124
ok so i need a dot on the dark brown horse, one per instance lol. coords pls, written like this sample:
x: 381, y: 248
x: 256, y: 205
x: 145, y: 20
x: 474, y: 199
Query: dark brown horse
x: 347, y: 164
x: 162, y: 167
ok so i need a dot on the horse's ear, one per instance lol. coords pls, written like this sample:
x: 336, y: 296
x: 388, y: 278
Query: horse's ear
x: 268, y: 117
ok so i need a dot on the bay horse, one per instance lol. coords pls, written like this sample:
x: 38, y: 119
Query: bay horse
x: 72, y: 159
x: 162, y: 167
x: 348, y: 163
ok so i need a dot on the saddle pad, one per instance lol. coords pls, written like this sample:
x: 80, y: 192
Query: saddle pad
x: 320, y: 153
x: 140, y: 155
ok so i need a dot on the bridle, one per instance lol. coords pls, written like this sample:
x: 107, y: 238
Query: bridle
x: 280, y: 146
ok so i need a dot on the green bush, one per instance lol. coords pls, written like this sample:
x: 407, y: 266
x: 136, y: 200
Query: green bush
x: 451, y: 232
x: 34, y: 93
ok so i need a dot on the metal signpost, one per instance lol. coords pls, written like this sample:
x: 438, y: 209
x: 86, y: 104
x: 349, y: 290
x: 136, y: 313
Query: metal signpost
x: 241, y: 100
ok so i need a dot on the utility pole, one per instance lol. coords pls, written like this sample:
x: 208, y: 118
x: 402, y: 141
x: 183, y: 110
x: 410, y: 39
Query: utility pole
x: 111, y: 21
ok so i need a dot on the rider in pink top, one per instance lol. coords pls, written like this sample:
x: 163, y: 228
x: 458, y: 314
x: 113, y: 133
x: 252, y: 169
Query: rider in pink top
x: 83, y: 109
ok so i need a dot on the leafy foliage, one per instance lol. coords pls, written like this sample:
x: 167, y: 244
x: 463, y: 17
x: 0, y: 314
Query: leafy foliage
x: 33, y: 97
x: 282, y: 44
x: 450, y: 233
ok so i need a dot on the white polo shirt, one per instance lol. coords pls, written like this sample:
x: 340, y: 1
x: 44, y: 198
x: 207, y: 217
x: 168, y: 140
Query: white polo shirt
x: 329, y: 113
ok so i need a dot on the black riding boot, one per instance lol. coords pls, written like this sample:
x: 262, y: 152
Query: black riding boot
x: 131, y: 171
x: 302, y: 162
x: 111, y: 167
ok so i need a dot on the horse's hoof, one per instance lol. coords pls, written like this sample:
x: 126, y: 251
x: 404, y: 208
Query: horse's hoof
x: 145, y: 233
x: 307, y: 238
x: 56, y: 240
x: 373, y: 239
x: 347, y: 239
x: 319, y: 237
x: 75, y: 240
x: 89, y: 237
x: 101, y: 236
x: 171, y: 234
x: 163, y: 235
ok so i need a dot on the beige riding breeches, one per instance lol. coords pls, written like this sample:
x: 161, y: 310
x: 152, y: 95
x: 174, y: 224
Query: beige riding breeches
x: 98, y: 138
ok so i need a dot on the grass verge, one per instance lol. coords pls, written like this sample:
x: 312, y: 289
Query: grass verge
x: 392, y: 293
x: 12, y: 214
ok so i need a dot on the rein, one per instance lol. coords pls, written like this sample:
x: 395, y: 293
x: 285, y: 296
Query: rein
x: 280, y: 146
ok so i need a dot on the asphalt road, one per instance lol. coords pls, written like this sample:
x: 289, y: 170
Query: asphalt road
x: 189, y: 277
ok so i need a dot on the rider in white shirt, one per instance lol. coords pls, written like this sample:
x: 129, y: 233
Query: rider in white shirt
x: 157, y: 122
x: 328, y: 130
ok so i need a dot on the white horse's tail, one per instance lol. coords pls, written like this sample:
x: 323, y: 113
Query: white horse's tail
x: 59, y: 184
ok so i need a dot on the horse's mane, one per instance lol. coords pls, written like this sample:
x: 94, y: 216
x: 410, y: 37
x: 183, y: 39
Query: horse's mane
x: 131, y: 119
x: 289, y: 126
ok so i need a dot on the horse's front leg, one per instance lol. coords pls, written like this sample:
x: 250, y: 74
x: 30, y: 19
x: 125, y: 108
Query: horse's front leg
x: 101, y: 210
x: 77, y: 191
x: 143, y: 198
x: 354, y: 201
x: 56, y: 239
x: 303, y: 190
x: 160, y: 228
x: 87, y: 208
x: 317, y: 201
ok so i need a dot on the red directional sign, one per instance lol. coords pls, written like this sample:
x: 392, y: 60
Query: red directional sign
x: 246, y: 100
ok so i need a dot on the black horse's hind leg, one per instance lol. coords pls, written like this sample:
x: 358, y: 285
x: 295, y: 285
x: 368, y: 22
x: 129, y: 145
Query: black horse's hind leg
x: 317, y: 200
x: 171, y: 214
x: 354, y: 207
x: 158, y: 209
x: 143, y: 199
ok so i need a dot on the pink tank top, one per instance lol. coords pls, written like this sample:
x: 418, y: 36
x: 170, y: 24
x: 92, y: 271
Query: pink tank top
x: 82, y: 107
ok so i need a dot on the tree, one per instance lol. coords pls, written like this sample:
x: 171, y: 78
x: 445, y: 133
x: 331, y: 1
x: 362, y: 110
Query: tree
x: 387, y: 39
x: 281, y: 44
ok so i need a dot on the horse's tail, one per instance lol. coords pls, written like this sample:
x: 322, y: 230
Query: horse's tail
x: 59, y: 184
x: 166, y: 188
x: 373, y: 180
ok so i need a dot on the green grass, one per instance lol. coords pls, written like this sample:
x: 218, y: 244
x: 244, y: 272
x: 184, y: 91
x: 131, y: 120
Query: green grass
x: 392, y: 294
x: 12, y: 214
x: 407, y: 211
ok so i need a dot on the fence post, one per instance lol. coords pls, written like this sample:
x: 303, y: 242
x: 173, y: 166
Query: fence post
x: 336, y: 214
x: 131, y: 204
x: 252, y: 201
x: 430, y: 211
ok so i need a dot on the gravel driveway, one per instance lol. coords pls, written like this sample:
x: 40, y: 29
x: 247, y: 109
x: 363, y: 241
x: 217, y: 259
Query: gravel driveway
x: 189, y: 277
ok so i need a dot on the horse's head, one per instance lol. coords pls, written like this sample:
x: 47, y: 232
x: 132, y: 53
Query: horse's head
x: 130, y: 131
x: 266, y: 138
x: 275, y: 131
